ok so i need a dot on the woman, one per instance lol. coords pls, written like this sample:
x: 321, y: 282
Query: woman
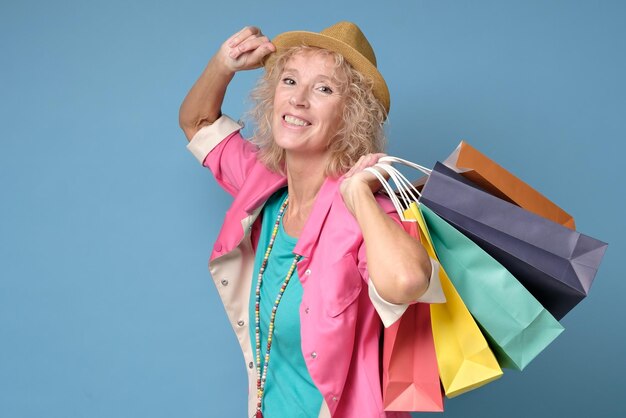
x: 309, y: 260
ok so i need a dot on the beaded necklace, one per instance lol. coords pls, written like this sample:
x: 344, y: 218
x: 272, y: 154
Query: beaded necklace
x: 262, y: 374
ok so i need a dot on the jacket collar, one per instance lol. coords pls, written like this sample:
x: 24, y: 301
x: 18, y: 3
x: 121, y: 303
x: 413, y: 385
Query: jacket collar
x: 313, y: 226
x: 271, y: 183
x: 321, y: 207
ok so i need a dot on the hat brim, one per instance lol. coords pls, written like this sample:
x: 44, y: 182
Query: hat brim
x: 359, y: 62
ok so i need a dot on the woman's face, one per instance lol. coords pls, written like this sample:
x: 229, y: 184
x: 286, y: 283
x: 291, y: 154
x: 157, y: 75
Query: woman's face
x: 308, y: 106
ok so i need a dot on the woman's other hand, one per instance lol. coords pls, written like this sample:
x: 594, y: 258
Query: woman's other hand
x: 357, y: 179
x: 245, y: 50
x: 397, y: 263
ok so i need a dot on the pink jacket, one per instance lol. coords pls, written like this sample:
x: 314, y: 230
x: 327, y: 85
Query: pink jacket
x: 340, y: 328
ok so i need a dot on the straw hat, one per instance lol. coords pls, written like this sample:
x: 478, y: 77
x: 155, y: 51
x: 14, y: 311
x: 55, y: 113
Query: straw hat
x: 345, y: 38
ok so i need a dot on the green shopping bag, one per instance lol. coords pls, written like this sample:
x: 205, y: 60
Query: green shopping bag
x: 513, y: 321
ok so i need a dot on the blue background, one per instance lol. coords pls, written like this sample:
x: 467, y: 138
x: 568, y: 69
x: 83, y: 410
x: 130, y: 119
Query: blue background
x: 106, y: 222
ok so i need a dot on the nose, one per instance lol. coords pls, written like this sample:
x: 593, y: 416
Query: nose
x: 299, y: 98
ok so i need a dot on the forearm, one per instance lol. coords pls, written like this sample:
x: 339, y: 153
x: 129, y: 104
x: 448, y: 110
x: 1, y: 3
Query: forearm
x: 203, y: 103
x: 398, y: 264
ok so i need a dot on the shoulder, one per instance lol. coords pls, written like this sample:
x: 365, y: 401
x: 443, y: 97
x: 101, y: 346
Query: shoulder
x: 339, y: 213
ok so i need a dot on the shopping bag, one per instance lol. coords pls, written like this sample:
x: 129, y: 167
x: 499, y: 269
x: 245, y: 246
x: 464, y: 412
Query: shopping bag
x: 515, y: 324
x: 410, y: 374
x: 556, y: 264
x: 493, y: 178
x: 464, y: 358
x: 409, y: 362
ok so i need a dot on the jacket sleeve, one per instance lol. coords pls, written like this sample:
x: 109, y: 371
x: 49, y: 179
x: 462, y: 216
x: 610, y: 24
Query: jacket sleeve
x: 391, y: 312
x: 221, y: 148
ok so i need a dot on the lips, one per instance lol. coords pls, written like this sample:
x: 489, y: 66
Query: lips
x: 295, y: 121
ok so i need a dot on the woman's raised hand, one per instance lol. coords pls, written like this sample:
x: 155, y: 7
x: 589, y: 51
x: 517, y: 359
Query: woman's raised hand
x: 246, y: 49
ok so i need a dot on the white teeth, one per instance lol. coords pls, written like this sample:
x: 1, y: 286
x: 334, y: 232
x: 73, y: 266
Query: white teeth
x: 295, y: 121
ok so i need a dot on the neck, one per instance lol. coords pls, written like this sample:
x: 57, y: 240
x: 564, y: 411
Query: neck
x: 305, y: 177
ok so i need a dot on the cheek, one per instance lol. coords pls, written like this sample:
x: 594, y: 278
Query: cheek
x: 279, y: 96
x: 338, y: 117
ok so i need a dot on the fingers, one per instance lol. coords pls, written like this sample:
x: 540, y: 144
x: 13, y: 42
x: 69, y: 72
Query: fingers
x: 360, y: 165
x: 364, y: 162
x: 380, y: 155
x: 261, y: 51
x: 250, y: 52
x: 242, y: 35
x: 252, y: 44
x: 352, y: 170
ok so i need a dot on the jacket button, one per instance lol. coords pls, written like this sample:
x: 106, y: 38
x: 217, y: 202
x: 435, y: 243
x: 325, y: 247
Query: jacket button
x: 306, y: 310
x: 314, y: 354
x: 308, y: 272
x: 224, y: 282
x: 250, y: 365
x: 334, y: 399
x: 240, y: 323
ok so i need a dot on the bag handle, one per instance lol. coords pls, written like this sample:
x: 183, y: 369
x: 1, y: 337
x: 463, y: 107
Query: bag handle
x: 408, y: 191
x: 388, y: 189
x: 392, y: 159
x: 391, y: 171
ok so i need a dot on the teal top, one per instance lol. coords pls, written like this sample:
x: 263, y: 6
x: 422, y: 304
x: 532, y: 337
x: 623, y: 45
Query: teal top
x: 289, y: 389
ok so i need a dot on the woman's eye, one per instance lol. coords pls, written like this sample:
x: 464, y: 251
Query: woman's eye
x: 326, y: 89
x: 289, y: 81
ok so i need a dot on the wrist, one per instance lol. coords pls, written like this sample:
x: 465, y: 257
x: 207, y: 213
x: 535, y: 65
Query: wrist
x: 358, y: 194
x: 219, y: 66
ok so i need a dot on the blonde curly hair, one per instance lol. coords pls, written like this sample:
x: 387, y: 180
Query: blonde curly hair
x: 361, y: 130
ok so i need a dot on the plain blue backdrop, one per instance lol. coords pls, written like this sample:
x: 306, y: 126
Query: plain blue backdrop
x: 106, y: 222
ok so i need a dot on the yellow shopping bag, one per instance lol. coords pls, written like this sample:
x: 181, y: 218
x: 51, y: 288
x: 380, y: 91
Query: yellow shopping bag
x: 464, y: 358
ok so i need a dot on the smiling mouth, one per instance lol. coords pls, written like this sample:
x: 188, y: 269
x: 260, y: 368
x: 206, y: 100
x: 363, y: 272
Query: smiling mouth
x: 292, y: 120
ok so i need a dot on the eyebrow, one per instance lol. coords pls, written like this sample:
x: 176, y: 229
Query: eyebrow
x: 320, y: 76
